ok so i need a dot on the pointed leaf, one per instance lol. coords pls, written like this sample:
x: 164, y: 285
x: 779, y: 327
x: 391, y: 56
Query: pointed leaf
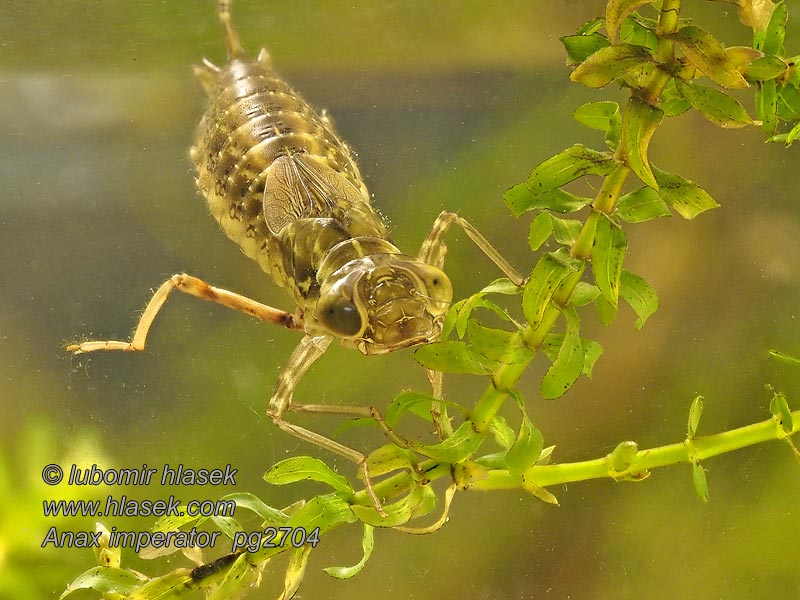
x: 295, y: 571
x: 464, y: 442
x: 584, y: 293
x: 568, y: 366
x: 580, y: 47
x: 526, y: 449
x: 258, y: 506
x: 617, y: 10
x: 497, y: 344
x: 638, y: 125
x: 610, y: 246
x: 640, y: 295
x: 591, y: 350
x: 764, y: 68
x: 502, y: 433
x: 686, y: 197
x: 450, y: 357
x: 708, y: 55
x: 609, y: 63
x: 367, y: 545
x: 699, y: 479
x: 641, y: 205
x: 767, y: 105
x: 639, y: 32
x: 236, y: 577
x: 397, y: 513
x: 621, y: 459
x: 520, y: 199
x: 106, y: 580
x: 776, y: 31
x: 547, y: 275
x: 780, y: 410
x: 603, y: 116
x: 605, y: 310
x: 390, y: 458
x: 695, y: 412
x: 541, y: 229
x: 568, y: 165
x: 787, y: 358
x: 299, y: 468
x: 417, y: 402
x: 716, y: 106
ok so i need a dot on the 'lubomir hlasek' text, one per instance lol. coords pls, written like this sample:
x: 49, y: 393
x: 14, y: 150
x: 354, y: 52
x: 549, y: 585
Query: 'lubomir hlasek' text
x: 178, y: 475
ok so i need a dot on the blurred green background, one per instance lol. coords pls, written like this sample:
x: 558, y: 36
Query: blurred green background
x: 447, y: 104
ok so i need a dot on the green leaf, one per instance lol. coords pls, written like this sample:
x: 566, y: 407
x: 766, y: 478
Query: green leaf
x: 169, y: 585
x: 603, y: 116
x: 584, y: 293
x: 699, y: 479
x: 617, y: 10
x: 686, y: 197
x: 106, y: 580
x: 420, y: 500
x: 450, y: 357
x: 716, y: 106
x: 526, y: 449
x: 566, y: 231
x: 464, y: 442
x: 605, y: 310
x: 640, y: 295
x: 775, y: 33
x: 610, y: 246
x: 541, y: 229
x: 638, y: 125
x: 672, y: 101
x: 621, y: 459
x: 520, y: 199
x: 780, y: 410
x: 610, y: 63
x: 568, y: 165
x: 591, y: 26
x: 390, y: 458
x: 367, y: 545
x: 568, y: 365
x: 255, y: 504
x: 695, y: 412
x: 236, y: 577
x: 764, y: 68
x: 639, y: 32
x: 580, y: 47
x: 498, y: 286
x: 417, y: 402
x: 793, y: 135
x: 789, y: 103
x: 767, y: 105
x: 295, y: 571
x: 502, y: 433
x: 641, y: 205
x: 547, y: 275
x: 787, y: 358
x: 498, y: 345
x: 299, y: 468
x: 591, y: 350
x: 708, y: 55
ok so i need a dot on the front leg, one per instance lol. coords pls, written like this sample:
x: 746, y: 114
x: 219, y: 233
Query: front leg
x: 433, y: 249
x: 308, y: 351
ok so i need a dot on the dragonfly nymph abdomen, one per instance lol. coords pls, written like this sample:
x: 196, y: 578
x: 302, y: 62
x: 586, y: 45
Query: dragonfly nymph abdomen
x: 287, y: 190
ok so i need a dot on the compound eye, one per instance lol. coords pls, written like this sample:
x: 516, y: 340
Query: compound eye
x: 340, y: 317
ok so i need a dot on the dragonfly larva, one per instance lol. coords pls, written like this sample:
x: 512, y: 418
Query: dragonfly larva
x: 285, y: 188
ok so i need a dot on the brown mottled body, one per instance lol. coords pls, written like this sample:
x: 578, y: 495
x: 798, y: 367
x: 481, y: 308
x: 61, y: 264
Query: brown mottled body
x: 259, y: 150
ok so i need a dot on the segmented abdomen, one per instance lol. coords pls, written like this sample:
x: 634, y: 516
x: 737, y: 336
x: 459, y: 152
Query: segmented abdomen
x: 254, y: 118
